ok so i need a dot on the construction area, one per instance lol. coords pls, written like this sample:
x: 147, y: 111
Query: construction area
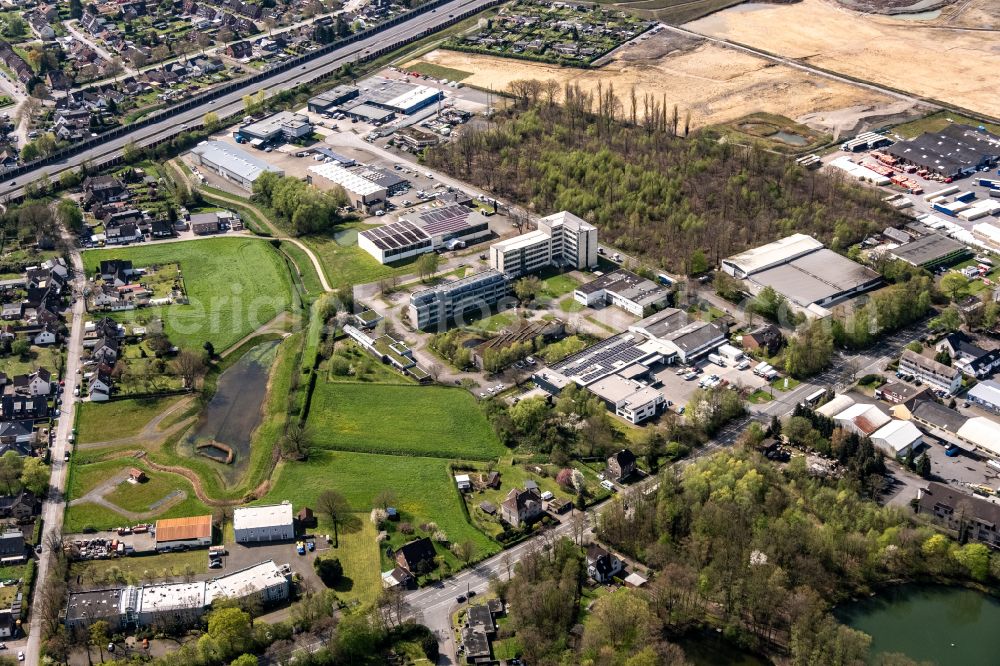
x: 931, y: 54
x: 715, y: 84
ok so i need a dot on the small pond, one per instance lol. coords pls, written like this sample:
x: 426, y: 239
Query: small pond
x: 790, y: 138
x: 943, y: 625
x: 235, y: 410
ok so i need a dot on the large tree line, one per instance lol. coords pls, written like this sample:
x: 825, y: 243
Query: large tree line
x: 651, y: 192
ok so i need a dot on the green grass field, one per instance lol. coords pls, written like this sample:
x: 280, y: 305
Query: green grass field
x: 85, y: 477
x: 345, y: 263
x: 570, y: 304
x: 144, y: 569
x: 438, y: 71
x: 402, y: 420
x: 235, y: 285
x: 424, y: 489
x: 557, y: 285
x: 359, y: 554
x: 100, y: 422
x: 37, y: 357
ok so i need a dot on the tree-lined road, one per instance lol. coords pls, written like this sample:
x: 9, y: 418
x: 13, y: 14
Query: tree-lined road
x: 232, y: 103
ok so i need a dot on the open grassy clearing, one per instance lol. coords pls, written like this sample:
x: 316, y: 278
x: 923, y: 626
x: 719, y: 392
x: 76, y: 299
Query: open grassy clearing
x: 559, y: 284
x: 407, y: 420
x: 345, y: 263
x: 235, y: 285
x: 439, y: 72
x: 86, y: 477
x: 139, y: 569
x: 424, y: 489
x: 359, y: 554
x: 363, y: 367
x: 99, y: 422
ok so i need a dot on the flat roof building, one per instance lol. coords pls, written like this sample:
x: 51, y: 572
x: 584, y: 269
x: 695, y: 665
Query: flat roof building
x: 175, y: 605
x: 632, y: 400
x: 562, y: 239
x: 478, y: 293
x: 931, y: 251
x: 362, y: 192
x: 231, y: 163
x: 810, y: 277
x: 678, y: 334
x: 623, y: 289
x: 193, y: 531
x: 423, y: 232
x: 325, y: 101
x: 985, y: 394
x: 273, y: 522
x: 284, y: 125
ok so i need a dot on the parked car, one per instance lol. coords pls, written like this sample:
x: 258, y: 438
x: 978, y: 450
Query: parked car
x: 460, y: 598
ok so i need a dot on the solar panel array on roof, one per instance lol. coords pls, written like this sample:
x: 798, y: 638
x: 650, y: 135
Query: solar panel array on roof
x: 602, y: 359
x: 396, y: 235
x: 449, y: 219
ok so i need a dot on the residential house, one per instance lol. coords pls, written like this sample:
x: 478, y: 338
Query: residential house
x: 161, y: 229
x: 47, y: 336
x: 521, y: 507
x: 967, y: 356
x: 12, y: 311
x: 23, y: 408
x: 602, y: 566
x: 621, y: 465
x: 416, y: 556
x: 971, y: 518
x: 17, y: 433
x: 398, y: 577
x: 122, y: 235
x: 897, y: 393
x: 12, y: 543
x: 21, y: 507
x: 99, y: 388
x: 106, y: 351
x: 103, y: 189
x: 116, y: 270
x: 766, y: 338
x: 38, y: 382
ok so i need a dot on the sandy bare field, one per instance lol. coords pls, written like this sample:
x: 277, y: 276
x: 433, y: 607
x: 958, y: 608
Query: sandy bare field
x: 922, y: 57
x: 713, y: 83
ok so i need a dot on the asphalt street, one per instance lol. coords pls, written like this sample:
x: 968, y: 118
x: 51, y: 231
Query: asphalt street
x: 232, y: 103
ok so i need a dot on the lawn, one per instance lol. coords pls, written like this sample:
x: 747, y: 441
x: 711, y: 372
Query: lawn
x: 234, y: 285
x: 401, y: 420
x: 364, y: 367
x: 557, y: 285
x: 139, y: 569
x: 85, y: 477
x: 38, y: 357
x: 99, y: 422
x: 424, y: 489
x: 570, y: 304
x: 345, y: 263
x: 359, y: 554
x: 495, y: 323
x: 780, y: 385
x: 759, y: 397
x: 438, y: 71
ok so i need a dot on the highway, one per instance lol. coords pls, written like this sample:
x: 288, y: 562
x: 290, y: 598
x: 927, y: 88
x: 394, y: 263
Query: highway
x: 232, y: 103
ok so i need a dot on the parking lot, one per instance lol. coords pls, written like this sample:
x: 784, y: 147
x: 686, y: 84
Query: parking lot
x: 241, y: 556
x: 679, y: 390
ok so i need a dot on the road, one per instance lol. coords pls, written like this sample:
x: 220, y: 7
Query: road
x: 232, y: 103
x: 54, y: 505
x: 79, y: 35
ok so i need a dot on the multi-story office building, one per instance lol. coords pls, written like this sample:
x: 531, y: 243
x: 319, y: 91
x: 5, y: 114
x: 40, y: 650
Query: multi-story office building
x: 435, y: 307
x: 562, y: 239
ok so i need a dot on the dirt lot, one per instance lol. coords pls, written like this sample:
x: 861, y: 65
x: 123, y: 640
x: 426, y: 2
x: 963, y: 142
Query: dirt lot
x: 716, y: 84
x: 920, y: 56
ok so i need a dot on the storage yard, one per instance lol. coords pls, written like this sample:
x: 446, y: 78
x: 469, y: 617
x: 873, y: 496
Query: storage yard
x: 715, y: 84
x: 956, y: 67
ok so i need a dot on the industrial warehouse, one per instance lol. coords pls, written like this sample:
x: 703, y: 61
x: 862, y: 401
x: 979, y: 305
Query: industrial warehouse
x: 955, y: 151
x: 445, y: 227
x: 809, y: 276
x: 378, y: 102
x: 931, y: 251
x: 175, y: 604
x: 231, y: 163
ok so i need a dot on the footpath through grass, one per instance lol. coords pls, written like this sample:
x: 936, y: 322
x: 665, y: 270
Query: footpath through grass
x: 402, y: 420
x: 234, y: 286
x: 99, y: 422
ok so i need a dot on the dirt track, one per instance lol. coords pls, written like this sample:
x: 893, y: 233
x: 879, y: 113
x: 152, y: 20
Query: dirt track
x: 714, y: 83
x: 924, y: 57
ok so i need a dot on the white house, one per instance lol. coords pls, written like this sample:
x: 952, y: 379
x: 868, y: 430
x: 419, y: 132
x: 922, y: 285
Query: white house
x: 45, y: 337
x: 602, y: 566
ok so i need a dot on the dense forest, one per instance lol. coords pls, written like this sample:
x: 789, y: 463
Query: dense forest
x: 762, y: 552
x: 651, y: 192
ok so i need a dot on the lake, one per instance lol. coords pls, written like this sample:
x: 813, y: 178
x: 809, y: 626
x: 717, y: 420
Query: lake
x: 944, y: 625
